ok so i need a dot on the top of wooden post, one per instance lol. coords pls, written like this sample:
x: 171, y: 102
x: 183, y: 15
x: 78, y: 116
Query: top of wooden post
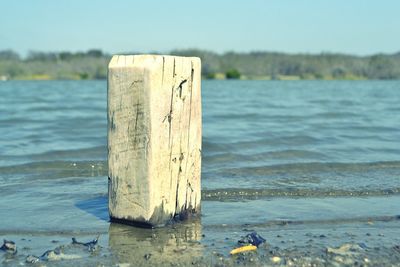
x: 118, y: 61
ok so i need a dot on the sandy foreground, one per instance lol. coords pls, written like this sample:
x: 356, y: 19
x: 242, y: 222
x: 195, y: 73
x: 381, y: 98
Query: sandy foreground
x: 370, y: 243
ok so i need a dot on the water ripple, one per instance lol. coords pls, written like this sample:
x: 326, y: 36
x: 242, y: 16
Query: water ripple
x: 239, y: 194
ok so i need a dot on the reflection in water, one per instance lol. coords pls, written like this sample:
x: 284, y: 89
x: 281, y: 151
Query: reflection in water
x: 179, y: 243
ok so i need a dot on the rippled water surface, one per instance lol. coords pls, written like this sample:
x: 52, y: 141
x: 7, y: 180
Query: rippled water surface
x: 317, y: 152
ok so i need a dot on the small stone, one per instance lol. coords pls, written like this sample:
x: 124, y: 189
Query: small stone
x: 32, y: 259
x: 345, y: 249
x: 252, y: 238
x: 9, y: 246
x: 276, y: 259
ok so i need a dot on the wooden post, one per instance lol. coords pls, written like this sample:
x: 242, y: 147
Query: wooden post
x: 154, y: 138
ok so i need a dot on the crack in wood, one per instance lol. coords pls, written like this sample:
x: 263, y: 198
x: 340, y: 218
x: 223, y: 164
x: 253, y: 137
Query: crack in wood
x: 169, y: 115
x: 180, y: 87
x: 163, y: 68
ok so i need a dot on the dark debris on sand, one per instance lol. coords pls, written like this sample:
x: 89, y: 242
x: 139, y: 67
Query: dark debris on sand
x: 253, y: 239
x: 9, y: 246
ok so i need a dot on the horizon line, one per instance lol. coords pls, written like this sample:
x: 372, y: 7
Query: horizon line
x: 26, y: 54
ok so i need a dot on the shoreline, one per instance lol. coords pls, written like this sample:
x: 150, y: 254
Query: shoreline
x: 208, y: 79
x: 191, y: 243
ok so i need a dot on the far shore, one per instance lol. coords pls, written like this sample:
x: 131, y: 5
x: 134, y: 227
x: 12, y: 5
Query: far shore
x: 219, y: 77
x: 92, y: 65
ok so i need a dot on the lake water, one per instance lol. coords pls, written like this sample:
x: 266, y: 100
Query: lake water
x: 287, y: 159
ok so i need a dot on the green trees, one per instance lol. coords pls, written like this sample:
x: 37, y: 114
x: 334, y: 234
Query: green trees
x: 271, y: 65
x: 254, y: 65
x: 8, y: 55
x: 382, y: 67
x: 232, y: 74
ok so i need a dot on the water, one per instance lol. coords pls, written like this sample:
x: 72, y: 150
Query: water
x: 300, y: 155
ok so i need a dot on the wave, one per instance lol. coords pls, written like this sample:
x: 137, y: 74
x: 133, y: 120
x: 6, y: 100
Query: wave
x: 281, y: 154
x: 91, y: 152
x: 57, y: 169
x: 238, y: 194
x: 300, y: 168
x: 266, y: 140
x: 319, y: 222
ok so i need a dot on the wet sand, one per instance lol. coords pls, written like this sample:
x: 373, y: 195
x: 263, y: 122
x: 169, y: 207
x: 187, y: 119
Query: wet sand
x: 371, y: 243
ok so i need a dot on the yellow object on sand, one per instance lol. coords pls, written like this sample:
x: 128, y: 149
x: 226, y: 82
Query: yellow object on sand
x: 243, y: 249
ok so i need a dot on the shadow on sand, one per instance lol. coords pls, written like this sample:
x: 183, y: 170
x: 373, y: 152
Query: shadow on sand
x: 97, y: 206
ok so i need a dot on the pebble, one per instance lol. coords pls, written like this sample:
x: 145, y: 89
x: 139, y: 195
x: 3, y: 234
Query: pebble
x: 276, y: 259
x: 9, y: 246
x: 32, y: 259
x: 252, y: 238
x: 345, y: 249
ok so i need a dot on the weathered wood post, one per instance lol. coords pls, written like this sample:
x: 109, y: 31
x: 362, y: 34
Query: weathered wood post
x: 154, y: 138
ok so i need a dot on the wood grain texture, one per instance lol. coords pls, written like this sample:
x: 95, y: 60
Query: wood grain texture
x: 154, y: 138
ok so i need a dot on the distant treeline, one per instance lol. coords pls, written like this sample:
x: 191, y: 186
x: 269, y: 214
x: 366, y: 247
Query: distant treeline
x: 45, y: 66
x: 253, y: 65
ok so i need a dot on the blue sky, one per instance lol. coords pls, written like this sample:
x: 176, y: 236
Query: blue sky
x: 360, y: 27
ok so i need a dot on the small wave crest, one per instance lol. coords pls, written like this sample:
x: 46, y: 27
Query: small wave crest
x: 57, y: 169
x: 319, y: 222
x: 237, y: 194
x: 300, y: 168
